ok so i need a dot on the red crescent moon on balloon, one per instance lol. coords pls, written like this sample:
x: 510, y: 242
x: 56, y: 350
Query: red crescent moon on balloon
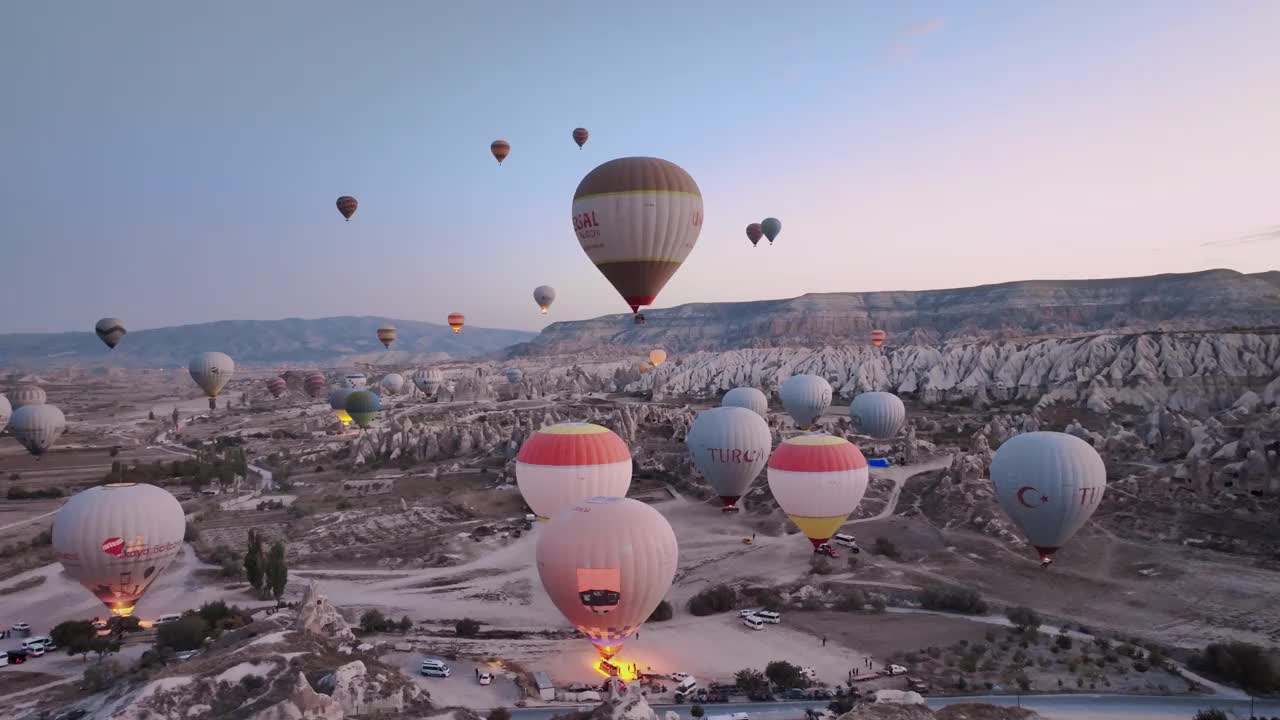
x: 1023, y: 500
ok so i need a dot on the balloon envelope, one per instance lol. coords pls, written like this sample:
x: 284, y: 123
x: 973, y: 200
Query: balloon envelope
x: 315, y: 385
x: 637, y: 219
x: 392, y: 383
x: 818, y: 479
x: 456, y: 321
x: 6, y: 411
x: 513, y: 375
x: 657, y: 357
x: 564, y: 464
x: 347, y: 206
x: 878, y: 414
x: 116, y: 539
x: 580, y: 136
x: 805, y: 398
x: 387, y: 335
x: 338, y: 398
x: 1049, y: 483
x: 500, y: 149
x: 25, y: 395
x: 606, y: 563
x: 36, y: 427
x: 277, y: 386
x: 878, y: 337
x: 110, y: 331
x: 211, y: 371
x: 771, y: 227
x: 355, y: 381
x: 428, y: 380
x: 754, y: 233
x: 749, y: 398
x: 730, y: 446
x: 544, y: 295
x: 363, y: 406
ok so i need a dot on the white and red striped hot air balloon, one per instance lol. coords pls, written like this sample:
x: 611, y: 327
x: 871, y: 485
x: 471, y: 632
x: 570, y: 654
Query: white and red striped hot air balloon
x: 277, y: 386
x: 456, y: 321
x: 818, y: 480
x: 315, y: 385
x: 563, y: 464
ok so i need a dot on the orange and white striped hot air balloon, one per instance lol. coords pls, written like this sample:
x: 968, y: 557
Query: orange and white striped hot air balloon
x: 878, y: 337
x: 818, y: 480
x: 456, y: 321
x: 564, y: 464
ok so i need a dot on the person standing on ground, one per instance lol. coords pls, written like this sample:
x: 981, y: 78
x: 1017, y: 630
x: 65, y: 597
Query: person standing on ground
x: 824, y: 641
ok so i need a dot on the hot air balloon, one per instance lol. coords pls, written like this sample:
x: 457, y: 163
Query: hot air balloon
x: 456, y: 321
x: 277, y: 386
x: 749, y: 398
x: 25, y: 395
x: 6, y: 411
x: 818, y: 479
x: 363, y: 406
x: 1049, y: 483
x: 392, y: 383
x: 563, y: 464
x: 657, y: 357
x: 754, y: 233
x: 730, y: 446
x: 110, y: 331
x: 36, y: 427
x: 500, y: 149
x: 355, y: 380
x: 513, y: 375
x: 544, y: 295
x: 878, y: 414
x: 347, y: 206
x: 771, y: 227
x: 805, y: 398
x: 315, y: 385
x: 428, y: 380
x: 580, y: 136
x: 116, y: 539
x: 878, y: 337
x: 211, y: 371
x: 606, y: 563
x: 637, y: 219
x: 387, y: 335
x: 338, y: 402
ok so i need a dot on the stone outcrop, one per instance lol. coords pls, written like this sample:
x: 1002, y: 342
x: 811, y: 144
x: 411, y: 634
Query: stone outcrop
x: 318, y: 616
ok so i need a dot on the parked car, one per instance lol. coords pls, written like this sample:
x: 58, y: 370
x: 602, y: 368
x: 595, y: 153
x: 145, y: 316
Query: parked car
x: 895, y: 670
x: 17, y: 657
x: 166, y: 619
x: 761, y: 697
x: 486, y: 678
x: 21, y: 627
x: 680, y: 676
x: 793, y: 694
x: 848, y: 541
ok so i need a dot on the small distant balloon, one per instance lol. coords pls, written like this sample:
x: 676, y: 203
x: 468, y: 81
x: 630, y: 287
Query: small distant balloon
x: 314, y: 385
x: 387, y: 335
x: 657, y: 357
x: 878, y: 337
x: 456, y: 321
x: 771, y: 227
x: 580, y: 136
x: 36, y: 427
x: 110, y: 331
x: 277, y: 386
x: 347, y: 206
x: 544, y: 295
x: 500, y: 149
x: 754, y: 233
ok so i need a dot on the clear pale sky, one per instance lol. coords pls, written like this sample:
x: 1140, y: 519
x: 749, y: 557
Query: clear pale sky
x: 177, y: 162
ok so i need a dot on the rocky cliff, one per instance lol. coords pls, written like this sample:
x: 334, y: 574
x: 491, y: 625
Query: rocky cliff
x: 1209, y: 300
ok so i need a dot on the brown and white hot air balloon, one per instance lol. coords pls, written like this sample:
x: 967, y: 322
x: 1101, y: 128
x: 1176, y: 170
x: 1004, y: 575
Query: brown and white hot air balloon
x: 277, y: 387
x: 456, y: 321
x: 315, y: 385
x: 347, y: 206
x: 500, y: 149
x: 637, y: 218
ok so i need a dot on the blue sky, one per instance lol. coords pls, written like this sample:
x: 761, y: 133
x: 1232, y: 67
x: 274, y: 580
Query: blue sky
x: 177, y: 162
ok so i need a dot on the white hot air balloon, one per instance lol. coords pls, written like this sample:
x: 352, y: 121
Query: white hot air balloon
x: 1049, y: 483
x: 805, y: 398
x: 25, y: 395
x: 606, y: 563
x: 392, y: 383
x: 37, y: 426
x: 749, y: 398
x: 563, y: 464
x: 115, y: 540
x: 355, y: 380
x: 730, y: 446
x: 818, y: 480
x: 212, y: 371
x: 428, y: 380
x: 878, y: 414
x: 6, y: 410
x: 544, y: 295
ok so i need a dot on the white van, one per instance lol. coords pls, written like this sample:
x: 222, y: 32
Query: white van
x: 687, y: 686
x: 848, y: 541
x: 166, y: 619
x: 769, y: 616
x: 34, y: 645
x: 753, y: 622
x: 748, y: 612
x: 435, y: 668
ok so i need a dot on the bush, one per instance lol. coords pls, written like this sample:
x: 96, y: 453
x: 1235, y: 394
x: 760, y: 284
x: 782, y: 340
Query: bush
x: 884, y: 546
x: 1024, y: 618
x: 230, y: 569
x: 253, y: 682
x: 17, y: 493
x: 405, y: 624
x: 819, y: 565
x: 851, y: 601
x: 662, y: 613
x: 102, y: 675
x: 499, y: 713
x: 953, y: 599
x: 718, y: 599
x: 373, y: 621
x: 1243, y: 664
x: 1063, y: 641
x: 187, y: 633
x: 697, y: 711
x: 1211, y: 714
x: 785, y: 675
x: 751, y: 681
x: 466, y: 628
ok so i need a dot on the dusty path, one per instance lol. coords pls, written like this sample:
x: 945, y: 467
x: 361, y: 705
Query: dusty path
x: 900, y: 474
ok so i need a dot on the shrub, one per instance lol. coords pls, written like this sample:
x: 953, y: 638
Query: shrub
x: 718, y: 599
x: 1023, y: 618
x: 187, y: 633
x: 1244, y: 664
x: 1063, y: 641
x: 785, y: 675
x: 102, y: 675
x: 466, y: 627
x: 851, y: 601
x: 499, y: 713
x: 253, y: 682
x: 884, y: 546
x: 373, y: 621
x: 751, y: 681
x: 819, y: 565
x: 1211, y: 714
x: 953, y: 599
x: 662, y: 613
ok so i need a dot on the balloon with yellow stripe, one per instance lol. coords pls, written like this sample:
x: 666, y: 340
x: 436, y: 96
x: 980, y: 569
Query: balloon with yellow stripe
x: 818, y: 481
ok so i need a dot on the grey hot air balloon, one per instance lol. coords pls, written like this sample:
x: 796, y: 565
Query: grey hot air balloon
x: 1049, y: 483
x: 338, y: 397
x: 392, y: 383
x: 212, y: 371
x: 6, y: 410
x: 878, y: 414
x: 110, y: 330
x: 25, y: 395
x: 37, y: 426
x: 115, y: 540
x: 514, y: 375
x: 730, y: 445
x: 749, y: 398
x: 805, y: 398
x: 544, y: 295
x: 428, y: 380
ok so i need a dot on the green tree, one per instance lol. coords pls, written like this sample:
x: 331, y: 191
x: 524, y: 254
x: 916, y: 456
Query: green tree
x: 499, y: 713
x: 467, y: 628
x: 697, y: 711
x: 277, y: 571
x: 104, y: 646
x: 884, y: 546
x: 1023, y: 618
x: 75, y: 636
x: 187, y: 633
x: 751, y: 681
x: 102, y: 675
x: 253, y: 560
x: 785, y: 675
x: 1244, y: 664
x: 373, y: 621
x: 661, y: 613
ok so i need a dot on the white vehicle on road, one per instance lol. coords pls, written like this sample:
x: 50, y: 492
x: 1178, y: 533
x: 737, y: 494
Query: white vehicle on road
x: 22, y: 627
x: 435, y: 668
x: 769, y: 616
x: 895, y: 670
x: 753, y: 622
x: 749, y: 612
x: 486, y: 678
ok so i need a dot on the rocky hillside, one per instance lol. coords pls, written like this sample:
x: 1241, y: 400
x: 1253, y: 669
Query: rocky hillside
x: 324, y: 342
x: 1209, y: 300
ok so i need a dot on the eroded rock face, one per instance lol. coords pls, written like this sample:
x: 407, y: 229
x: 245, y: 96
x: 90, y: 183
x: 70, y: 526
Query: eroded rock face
x: 318, y: 616
x: 302, y: 703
